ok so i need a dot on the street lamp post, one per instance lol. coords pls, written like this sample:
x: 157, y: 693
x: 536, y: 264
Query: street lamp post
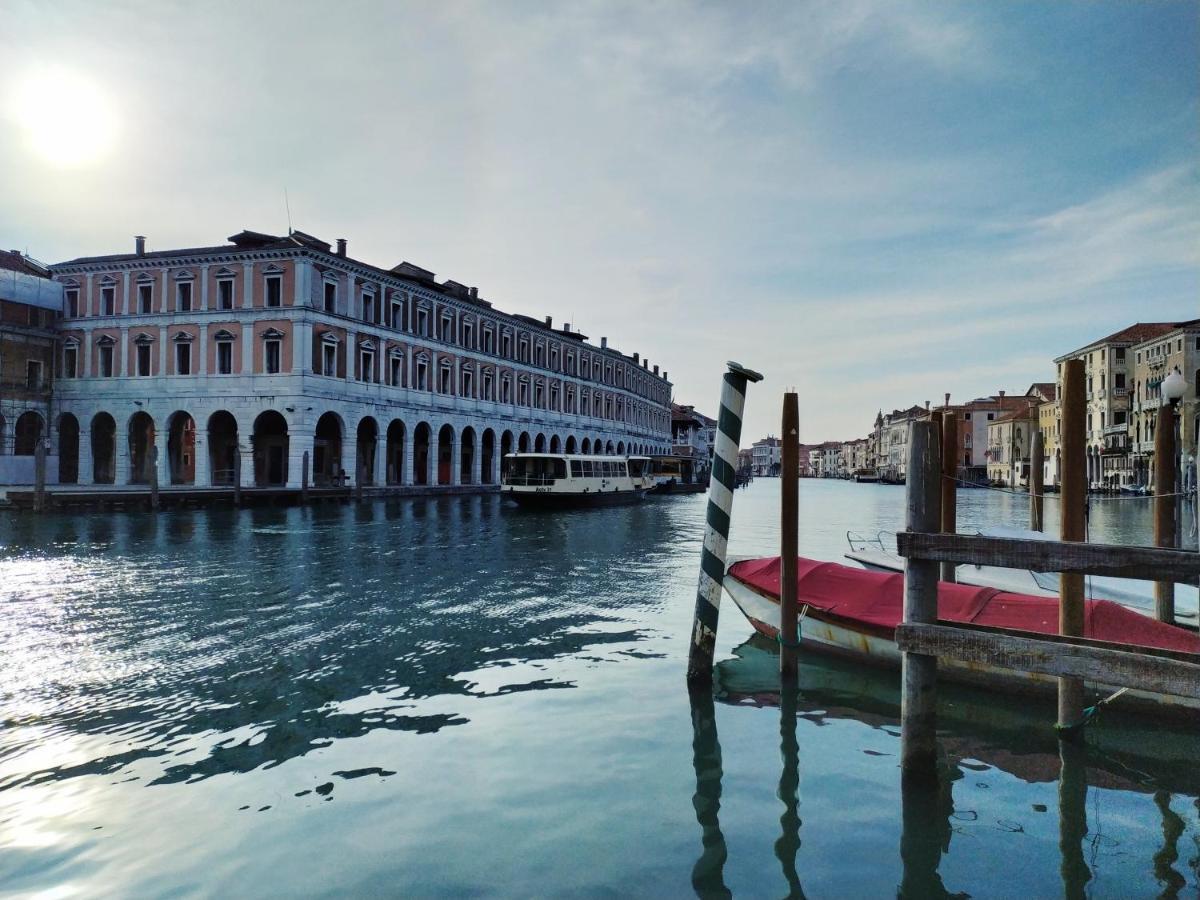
x: 1174, y: 386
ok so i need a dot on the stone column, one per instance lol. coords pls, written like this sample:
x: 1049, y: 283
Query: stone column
x: 122, y: 475
x: 381, y: 458
x: 477, y: 459
x: 246, y: 448
x: 200, y: 366
x: 164, y: 458
x: 86, y: 347
x: 162, y: 351
x: 301, y: 439
x: 247, y: 348
x: 86, y: 473
x: 124, y: 293
x: 204, y: 287
x: 87, y: 297
x: 247, y: 285
x: 456, y: 459
x: 435, y: 453
x: 409, y: 443
x: 121, y: 366
x: 200, y: 457
x: 302, y: 352
x: 163, y: 306
x: 496, y: 459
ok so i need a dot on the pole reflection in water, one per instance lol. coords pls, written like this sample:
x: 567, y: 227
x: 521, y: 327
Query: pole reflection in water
x: 1072, y: 817
x: 789, y: 792
x: 1164, y: 860
x: 926, y: 808
x: 708, y: 874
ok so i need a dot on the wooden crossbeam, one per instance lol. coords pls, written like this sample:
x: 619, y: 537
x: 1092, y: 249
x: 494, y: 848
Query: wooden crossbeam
x: 1148, y: 563
x: 1123, y: 668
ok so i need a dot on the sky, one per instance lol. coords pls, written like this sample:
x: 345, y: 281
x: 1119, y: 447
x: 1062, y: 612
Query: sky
x: 872, y: 202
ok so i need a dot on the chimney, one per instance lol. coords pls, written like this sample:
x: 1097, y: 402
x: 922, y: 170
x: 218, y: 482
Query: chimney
x: 665, y: 377
x: 341, y: 251
x: 1002, y: 396
x: 603, y: 343
x: 645, y: 363
x: 566, y: 327
x: 926, y: 406
x: 636, y: 359
x: 549, y: 322
x: 947, y: 403
x: 474, y: 293
x: 139, y: 244
x: 656, y: 370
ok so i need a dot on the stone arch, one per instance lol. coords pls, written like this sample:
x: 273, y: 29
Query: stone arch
x: 523, y: 442
x: 620, y: 448
x: 366, y: 441
x: 487, y: 456
x: 394, y: 461
x: 422, y: 436
x: 445, y: 460
x: 609, y: 449
x: 570, y: 446
x: 27, y: 433
x: 586, y: 447
x: 270, y: 443
x: 506, y: 447
x: 141, y: 447
x: 181, y: 447
x: 104, y: 448
x: 68, y: 449
x: 466, y: 456
x: 327, y: 450
x: 222, y: 448
x: 539, y: 443
x: 555, y: 444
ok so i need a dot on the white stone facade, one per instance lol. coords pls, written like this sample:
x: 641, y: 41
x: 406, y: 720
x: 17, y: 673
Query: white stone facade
x: 426, y: 385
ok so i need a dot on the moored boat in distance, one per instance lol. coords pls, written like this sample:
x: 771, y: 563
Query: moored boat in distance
x: 559, y: 480
x: 678, y: 475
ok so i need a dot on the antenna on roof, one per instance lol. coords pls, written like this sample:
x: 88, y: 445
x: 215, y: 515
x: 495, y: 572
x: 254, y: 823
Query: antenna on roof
x: 288, y: 207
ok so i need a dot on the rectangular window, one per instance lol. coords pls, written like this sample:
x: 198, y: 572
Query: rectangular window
x: 71, y: 362
x: 368, y: 307
x: 145, y: 298
x: 394, y: 372
x: 330, y: 297
x: 225, y: 357
x: 225, y: 293
x: 1120, y: 354
x: 73, y: 302
x: 143, y: 359
x: 108, y: 297
x: 33, y: 374
x: 274, y: 290
x: 1119, y: 380
x: 329, y: 360
x: 397, y: 314
x: 366, y: 365
x: 106, y: 360
x: 271, y: 357
x: 183, y: 296
x: 183, y: 358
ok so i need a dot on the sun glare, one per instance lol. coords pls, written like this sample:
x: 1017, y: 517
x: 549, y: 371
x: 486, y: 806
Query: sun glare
x: 67, y: 119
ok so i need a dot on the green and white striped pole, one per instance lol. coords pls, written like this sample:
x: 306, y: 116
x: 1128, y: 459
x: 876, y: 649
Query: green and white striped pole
x: 716, y: 529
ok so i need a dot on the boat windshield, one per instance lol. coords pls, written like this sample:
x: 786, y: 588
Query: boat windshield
x: 526, y: 470
x: 637, y: 466
x: 597, y: 468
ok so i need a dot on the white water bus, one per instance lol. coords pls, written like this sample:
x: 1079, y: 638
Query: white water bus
x: 551, y: 480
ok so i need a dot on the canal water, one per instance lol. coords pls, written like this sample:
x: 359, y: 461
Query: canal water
x: 453, y: 697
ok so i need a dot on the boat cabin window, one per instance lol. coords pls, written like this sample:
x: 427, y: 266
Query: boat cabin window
x: 597, y: 468
x: 637, y: 467
x: 536, y: 470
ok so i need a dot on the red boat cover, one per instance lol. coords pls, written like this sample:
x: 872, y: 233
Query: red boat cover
x: 877, y: 598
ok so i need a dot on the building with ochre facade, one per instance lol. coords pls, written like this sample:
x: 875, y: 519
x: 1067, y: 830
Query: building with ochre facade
x: 233, y: 362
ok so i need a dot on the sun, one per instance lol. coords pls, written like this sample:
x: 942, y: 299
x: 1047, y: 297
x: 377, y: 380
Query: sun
x: 67, y: 118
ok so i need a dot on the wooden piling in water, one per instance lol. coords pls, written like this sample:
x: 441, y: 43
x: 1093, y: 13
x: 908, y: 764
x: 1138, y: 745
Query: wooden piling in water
x: 39, y: 476
x: 1037, y: 482
x: 716, y: 529
x: 304, y: 479
x: 1073, y: 511
x: 918, y: 701
x: 360, y: 472
x: 949, y: 483
x: 789, y: 540
x: 1164, y: 505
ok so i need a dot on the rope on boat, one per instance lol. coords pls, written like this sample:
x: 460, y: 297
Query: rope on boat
x: 799, y: 629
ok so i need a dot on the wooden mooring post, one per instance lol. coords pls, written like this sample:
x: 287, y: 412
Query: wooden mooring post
x: 39, y: 476
x: 789, y: 538
x: 1165, y: 489
x: 918, y: 700
x: 1072, y: 527
x: 1037, y: 482
x: 949, y: 482
x: 237, y: 476
x: 716, y: 529
x: 304, y: 479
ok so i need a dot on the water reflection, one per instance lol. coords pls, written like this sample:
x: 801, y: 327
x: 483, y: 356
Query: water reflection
x: 788, y: 844
x: 708, y: 874
x: 222, y: 641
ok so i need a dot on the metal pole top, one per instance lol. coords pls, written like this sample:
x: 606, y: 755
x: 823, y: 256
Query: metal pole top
x: 749, y: 374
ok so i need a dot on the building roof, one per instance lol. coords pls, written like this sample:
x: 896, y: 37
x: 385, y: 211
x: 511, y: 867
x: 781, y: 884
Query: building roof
x: 26, y: 281
x: 16, y: 261
x: 1132, y: 334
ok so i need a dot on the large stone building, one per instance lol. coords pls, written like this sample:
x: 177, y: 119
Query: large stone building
x: 1176, y: 350
x: 693, y: 436
x: 245, y: 357
x: 29, y: 308
x: 767, y: 454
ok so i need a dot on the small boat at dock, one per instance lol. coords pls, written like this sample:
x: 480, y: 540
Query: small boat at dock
x: 854, y: 613
x: 678, y: 475
x: 560, y: 480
